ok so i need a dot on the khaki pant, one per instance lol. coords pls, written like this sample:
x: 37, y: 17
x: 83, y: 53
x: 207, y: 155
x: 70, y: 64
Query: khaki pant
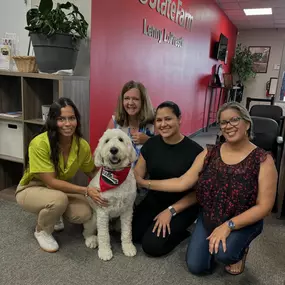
x: 50, y: 204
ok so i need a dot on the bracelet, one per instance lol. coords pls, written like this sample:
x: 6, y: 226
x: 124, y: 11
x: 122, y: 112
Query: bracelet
x: 148, y: 186
x: 86, y: 192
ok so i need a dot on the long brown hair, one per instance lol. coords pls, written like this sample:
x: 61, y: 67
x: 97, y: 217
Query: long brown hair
x: 146, y: 113
x: 52, y: 130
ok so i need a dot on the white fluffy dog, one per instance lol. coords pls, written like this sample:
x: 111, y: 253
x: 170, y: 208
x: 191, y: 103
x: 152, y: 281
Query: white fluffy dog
x: 114, y: 155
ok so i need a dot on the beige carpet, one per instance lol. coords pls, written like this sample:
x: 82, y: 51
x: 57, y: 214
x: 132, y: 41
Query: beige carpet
x: 23, y: 263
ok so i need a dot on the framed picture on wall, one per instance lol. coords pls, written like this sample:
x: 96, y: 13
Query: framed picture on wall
x: 260, y: 58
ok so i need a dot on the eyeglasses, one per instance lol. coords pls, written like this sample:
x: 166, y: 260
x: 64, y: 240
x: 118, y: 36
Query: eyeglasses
x: 232, y: 121
x: 66, y: 119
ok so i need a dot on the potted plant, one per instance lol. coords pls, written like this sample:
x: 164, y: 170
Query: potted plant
x: 56, y: 35
x: 242, y: 66
x: 242, y: 63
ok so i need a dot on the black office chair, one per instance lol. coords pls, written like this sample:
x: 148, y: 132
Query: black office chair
x: 266, y: 136
x: 269, y: 111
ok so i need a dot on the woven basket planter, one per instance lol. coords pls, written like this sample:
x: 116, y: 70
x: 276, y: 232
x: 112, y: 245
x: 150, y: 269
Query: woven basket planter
x: 26, y: 63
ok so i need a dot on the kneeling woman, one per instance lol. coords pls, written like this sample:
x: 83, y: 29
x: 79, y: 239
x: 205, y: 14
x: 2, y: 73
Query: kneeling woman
x: 54, y: 157
x: 160, y: 222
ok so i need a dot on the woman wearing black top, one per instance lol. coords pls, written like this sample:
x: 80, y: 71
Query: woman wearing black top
x: 160, y: 222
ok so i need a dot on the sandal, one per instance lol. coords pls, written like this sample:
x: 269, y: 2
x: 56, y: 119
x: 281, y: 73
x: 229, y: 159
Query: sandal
x: 228, y: 267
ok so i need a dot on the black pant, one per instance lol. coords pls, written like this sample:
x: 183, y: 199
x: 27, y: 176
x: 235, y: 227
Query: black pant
x: 143, y: 225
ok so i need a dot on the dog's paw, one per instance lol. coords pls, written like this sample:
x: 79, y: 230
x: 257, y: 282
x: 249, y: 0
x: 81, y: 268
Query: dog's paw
x: 91, y: 242
x: 105, y: 253
x: 129, y: 249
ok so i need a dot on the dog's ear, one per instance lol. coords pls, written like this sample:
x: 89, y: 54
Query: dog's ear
x: 132, y: 154
x: 97, y: 157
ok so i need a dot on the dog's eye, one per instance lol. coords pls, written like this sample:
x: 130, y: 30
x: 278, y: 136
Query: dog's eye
x: 121, y: 140
x: 107, y: 140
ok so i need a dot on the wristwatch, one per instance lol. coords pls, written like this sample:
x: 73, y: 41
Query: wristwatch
x: 231, y: 225
x: 172, y: 211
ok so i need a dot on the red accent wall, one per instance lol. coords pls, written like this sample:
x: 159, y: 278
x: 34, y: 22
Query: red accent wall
x: 121, y: 52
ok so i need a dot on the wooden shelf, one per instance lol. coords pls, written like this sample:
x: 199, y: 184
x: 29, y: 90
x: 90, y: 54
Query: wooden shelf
x: 28, y: 92
x: 43, y: 75
x: 18, y: 119
x: 11, y: 158
x: 35, y: 121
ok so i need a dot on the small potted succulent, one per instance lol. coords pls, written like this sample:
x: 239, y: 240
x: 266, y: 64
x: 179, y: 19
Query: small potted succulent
x: 56, y: 34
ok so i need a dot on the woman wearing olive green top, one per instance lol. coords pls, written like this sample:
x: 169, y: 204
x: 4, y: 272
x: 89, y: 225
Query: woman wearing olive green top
x: 54, y: 157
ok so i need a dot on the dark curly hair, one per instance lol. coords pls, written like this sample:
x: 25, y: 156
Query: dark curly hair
x: 52, y: 129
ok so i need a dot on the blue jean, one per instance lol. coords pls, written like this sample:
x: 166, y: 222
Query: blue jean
x: 200, y: 261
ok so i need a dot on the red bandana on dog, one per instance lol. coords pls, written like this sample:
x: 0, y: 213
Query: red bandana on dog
x: 110, y: 179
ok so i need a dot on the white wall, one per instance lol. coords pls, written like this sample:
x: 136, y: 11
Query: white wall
x: 263, y: 37
x: 13, y: 20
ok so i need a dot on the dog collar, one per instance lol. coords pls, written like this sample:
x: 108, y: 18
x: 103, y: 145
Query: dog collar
x: 110, y: 179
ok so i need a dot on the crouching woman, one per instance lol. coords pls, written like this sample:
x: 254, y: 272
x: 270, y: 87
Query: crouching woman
x: 54, y: 157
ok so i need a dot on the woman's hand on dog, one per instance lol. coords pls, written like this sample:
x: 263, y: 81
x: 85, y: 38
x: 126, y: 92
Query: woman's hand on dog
x: 162, y: 223
x: 95, y: 195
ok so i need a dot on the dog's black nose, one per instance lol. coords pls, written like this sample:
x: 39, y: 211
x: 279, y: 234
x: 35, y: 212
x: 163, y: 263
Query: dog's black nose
x: 114, y: 150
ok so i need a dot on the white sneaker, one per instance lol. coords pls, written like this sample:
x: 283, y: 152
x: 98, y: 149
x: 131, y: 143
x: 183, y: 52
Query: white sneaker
x: 59, y: 226
x: 46, y: 241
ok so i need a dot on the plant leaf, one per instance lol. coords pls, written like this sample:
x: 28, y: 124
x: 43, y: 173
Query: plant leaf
x: 49, y: 21
x: 66, y: 5
x: 45, y: 6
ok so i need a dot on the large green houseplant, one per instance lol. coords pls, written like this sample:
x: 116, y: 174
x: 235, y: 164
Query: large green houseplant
x: 242, y: 64
x: 242, y: 67
x: 56, y: 34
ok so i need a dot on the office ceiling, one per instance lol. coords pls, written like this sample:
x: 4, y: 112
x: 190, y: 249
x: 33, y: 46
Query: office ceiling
x: 234, y: 10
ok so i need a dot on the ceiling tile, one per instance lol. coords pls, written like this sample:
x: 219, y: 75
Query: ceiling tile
x: 276, y: 3
x: 240, y: 23
x: 278, y: 11
x: 279, y: 26
x: 279, y: 21
x: 229, y: 6
x: 238, y: 18
x: 264, y: 18
x: 279, y: 17
x: 252, y: 4
x: 261, y: 25
x: 235, y: 12
x: 262, y: 4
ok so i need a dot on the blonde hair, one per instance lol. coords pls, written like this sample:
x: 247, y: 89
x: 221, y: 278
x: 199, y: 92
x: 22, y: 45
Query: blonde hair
x: 146, y: 113
x: 243, y: 112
